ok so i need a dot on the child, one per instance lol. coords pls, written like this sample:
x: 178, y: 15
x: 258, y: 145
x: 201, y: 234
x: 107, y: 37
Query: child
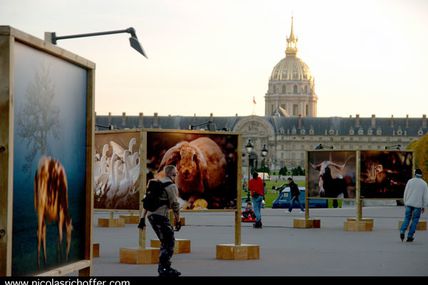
x: 248, y: 214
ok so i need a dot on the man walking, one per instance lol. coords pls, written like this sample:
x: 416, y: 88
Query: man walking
x: 415, y: 199
x: 161, y: 225
x: 295, y: 195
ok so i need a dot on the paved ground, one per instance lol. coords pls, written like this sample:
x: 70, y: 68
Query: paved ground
x: 284, y: 250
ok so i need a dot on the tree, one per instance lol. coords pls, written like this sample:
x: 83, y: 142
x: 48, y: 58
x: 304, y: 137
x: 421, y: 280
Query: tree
x: 38, y: 118
x: 264, y: 169
x: 283, y: 171
x: 297, y: 171
x: 420, y: 148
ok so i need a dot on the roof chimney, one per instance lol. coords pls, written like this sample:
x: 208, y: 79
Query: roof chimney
x: 155, y: 121
x: 299, y: 122
x: 424, y: 121
x: 123, y: 119
x: 140, y: 120
x: 357, y: 120
x: 373, y: 121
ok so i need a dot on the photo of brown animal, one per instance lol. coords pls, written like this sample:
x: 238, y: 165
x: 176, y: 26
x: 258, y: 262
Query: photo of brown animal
x: 201, y: 165
x: 51, y: 204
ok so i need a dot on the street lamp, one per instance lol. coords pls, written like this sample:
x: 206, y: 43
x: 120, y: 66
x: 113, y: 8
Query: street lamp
x: 133, y: 40
x: 264, y: 154
x: 249, y: 147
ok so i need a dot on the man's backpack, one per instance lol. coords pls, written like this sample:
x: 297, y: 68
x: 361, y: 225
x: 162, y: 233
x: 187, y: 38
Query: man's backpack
x: 153, y: 198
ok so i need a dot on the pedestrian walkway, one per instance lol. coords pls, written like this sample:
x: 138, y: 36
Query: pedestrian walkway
x: 284, y: 250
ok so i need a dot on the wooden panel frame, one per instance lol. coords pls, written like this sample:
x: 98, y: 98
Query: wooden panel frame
x: 144, y: 170
x: 8, y: 37
x: 134, y: 132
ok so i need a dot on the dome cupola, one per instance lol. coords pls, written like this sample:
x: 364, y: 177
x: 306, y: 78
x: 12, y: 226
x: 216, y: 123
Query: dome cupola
x: 291, y: 85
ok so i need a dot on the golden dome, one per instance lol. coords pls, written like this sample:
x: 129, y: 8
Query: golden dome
x: 291, y: 68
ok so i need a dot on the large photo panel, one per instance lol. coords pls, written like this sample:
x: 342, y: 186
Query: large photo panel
x: 52, y: 129
x: 117, y: 170
x: 331, y: 174
x: 207, y: 166
x: 384, y: 174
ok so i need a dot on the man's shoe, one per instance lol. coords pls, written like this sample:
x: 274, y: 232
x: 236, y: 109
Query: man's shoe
x: 168, y: 272
x: 402, y: 237
x: 410, y: 239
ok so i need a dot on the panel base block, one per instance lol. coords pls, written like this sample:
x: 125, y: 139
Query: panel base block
x: 111, y: 223
x: 237, y: 252
x: 306, y: 223
x: 364, y: 225
x: 95, y: 250
x: 148, y: 255
x: 130, y: 219
x: 180, y: 246
x: 422, y: 225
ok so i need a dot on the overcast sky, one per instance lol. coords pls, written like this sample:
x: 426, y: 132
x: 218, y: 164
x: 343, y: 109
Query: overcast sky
x: 214, y: 56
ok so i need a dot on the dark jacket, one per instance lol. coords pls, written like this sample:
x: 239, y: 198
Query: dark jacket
x: 294, y: 189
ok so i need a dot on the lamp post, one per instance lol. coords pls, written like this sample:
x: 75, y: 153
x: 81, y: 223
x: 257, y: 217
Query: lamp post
x: 249, y: 147
x: 133, y: 40
x: 264, y: 154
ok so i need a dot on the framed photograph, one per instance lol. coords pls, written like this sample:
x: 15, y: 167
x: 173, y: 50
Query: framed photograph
x: 47, y: 139
x: 331, y: 174
x: 207, y: 166
x: 384, y: 174
x: 117, y: 170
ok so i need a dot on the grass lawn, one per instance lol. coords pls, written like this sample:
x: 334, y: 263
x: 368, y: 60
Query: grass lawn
x: 272, y: 194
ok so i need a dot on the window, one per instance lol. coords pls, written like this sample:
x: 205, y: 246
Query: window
x: 295, y: 109
x: 295, y: 89
x: 307, y: 110
x: 284, y: 89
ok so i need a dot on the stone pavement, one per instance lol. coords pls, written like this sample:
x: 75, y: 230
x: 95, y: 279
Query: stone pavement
x: 284, y: 250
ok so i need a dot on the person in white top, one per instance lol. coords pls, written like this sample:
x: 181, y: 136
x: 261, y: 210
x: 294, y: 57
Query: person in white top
x: 415, y: 200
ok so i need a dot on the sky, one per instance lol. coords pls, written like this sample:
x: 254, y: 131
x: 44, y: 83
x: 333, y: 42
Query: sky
x: 214, y: 56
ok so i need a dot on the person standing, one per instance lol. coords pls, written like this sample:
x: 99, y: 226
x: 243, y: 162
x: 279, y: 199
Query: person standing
x: 415, y: 199
x: 257, y: 192
x: 161, y: 225
x: 295, y: 195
